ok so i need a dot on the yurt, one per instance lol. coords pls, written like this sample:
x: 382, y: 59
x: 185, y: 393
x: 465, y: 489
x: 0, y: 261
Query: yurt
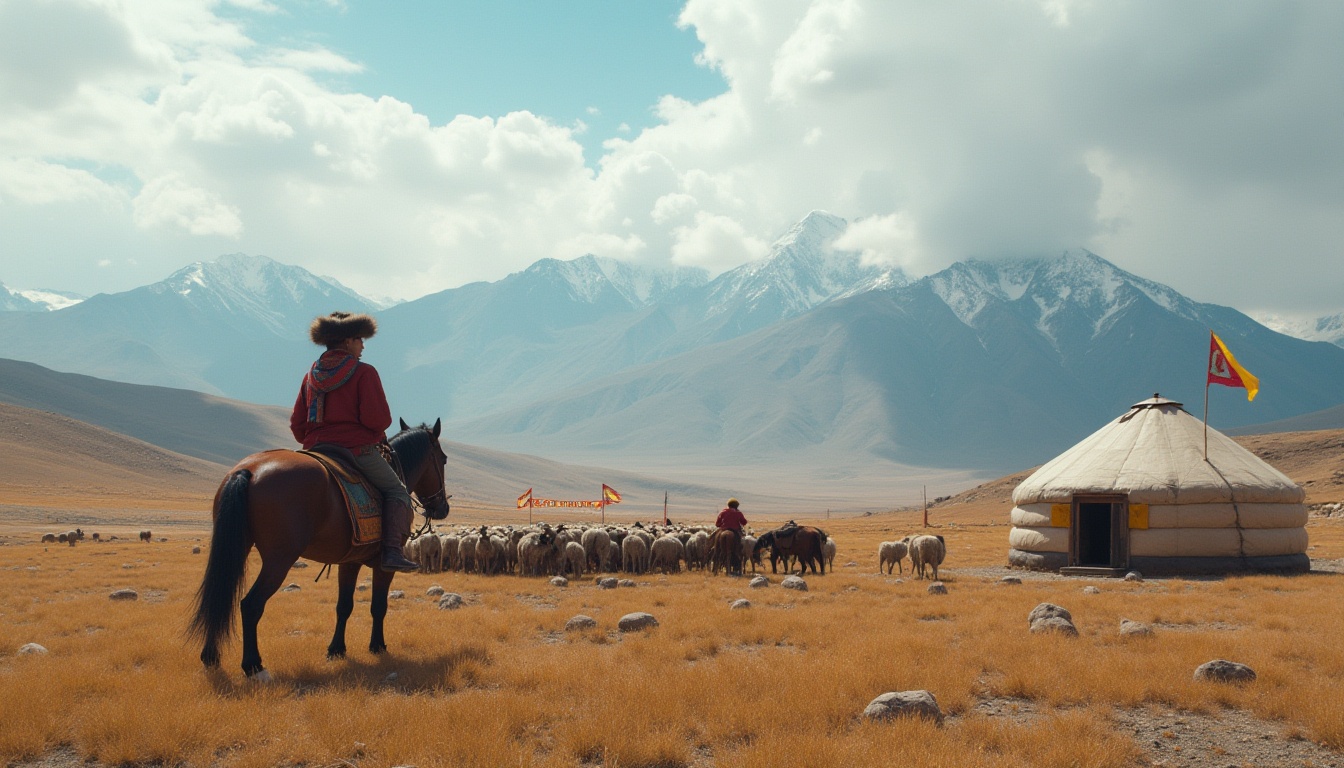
x: 1139, y: 494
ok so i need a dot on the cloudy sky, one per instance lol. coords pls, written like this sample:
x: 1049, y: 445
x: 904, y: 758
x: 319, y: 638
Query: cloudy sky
x: 409, y: 147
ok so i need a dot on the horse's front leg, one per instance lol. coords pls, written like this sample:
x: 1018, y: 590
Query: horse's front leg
x: 382, y: 581
x: 253, y: 605
x: 347, y: 576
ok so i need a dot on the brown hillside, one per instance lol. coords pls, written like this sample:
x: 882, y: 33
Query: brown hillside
x: 55, y: 461
x: 1315, y: 460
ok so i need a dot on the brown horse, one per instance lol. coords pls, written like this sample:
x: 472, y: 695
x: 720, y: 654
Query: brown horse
x: 285, y: 504
x: 725, y: 551
x: 803, y: 542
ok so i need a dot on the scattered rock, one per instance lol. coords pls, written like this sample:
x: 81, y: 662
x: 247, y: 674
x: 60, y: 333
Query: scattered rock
x: 1054, y: 624
x: 291, y: 587
x: 162, y: 539
x: 626, y: 583
x: 299, y: 564
x: 362, y: 587
x: 1091, y: 591
x: 391, y: 677
x: 740, y: 603
x: 450, y: 601
x: 24, y: 650
x: 124, y: 594
x: 633, y: 622
x: 1223, y: 671
x: 904, y: 704
x: 851, y: 564
x: 1134, y: 629
x: 559, y: 581
x: 607, y: 582
x: 852, y: 588
x: 580, y: 622
x: 937, y: 588
x: 195, y: 550
x: 396, y: 594
x: 1048, y: 610
x: 758, y: 582
x: 434, y: 591
x: 1010, y: 580
x: 898, y: 581
x: 794, y: 582
x: 1133, y: 576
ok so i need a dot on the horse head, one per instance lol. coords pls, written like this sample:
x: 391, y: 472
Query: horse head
x: 425, y: 465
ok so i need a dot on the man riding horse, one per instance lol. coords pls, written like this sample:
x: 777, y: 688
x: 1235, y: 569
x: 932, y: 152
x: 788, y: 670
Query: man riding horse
x: 341, y: 402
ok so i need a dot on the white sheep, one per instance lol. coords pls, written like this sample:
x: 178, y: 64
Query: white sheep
x: 596, y: 544
x: 485, y: 552
x: 574, y: 559
x: 926, y: 551
x: 666, y: 554
x: 697, y: 550
x: 536, y: 553
x: 891, y: 553
x: 466, y: 551
x: 431, y: 553
x: 634, y: 554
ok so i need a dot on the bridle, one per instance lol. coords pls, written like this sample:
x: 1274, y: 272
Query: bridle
x: 420, y: 503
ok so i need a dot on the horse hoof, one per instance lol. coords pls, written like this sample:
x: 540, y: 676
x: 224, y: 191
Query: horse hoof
x: 262, y: 676
x: 335, y: 655
x: 377, y: 649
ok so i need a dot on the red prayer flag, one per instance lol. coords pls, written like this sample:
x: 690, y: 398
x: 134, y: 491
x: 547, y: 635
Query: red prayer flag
x: 609, y: 494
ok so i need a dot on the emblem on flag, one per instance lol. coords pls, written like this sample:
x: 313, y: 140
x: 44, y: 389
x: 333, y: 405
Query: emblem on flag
x: 1224, y: 369
x: 609, y: 494
x: 525, y: 498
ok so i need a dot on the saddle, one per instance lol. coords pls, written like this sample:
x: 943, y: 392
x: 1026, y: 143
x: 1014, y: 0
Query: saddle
x: 363, y: 501
x: 784, y: 535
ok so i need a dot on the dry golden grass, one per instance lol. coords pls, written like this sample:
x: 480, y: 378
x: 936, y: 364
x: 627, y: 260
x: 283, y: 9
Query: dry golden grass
x: 500, y: 682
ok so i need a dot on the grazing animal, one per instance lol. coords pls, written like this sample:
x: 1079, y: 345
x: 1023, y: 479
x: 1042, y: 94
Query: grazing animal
x: 286, y: 505
x: 725, y: 551
x: 666, y: 553
x: 926, y: 551
x: 430, y: 548
x: 574, y: 560
x: 634, y: 554
x: 536, y: 553
x: 749, y: 552
x: 597, y: 548
x: 485, y: 553
x: 48, y: 538
x: 890, y: 554
x: 803, y: 542
x: 146, y: 535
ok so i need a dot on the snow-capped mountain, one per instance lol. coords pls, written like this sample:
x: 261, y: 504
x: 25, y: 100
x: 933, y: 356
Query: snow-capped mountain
x: 801, y: 271
x: 985, y: 364
x: 280, y: 297
x: 1326, y: 328
x: 35, y: 300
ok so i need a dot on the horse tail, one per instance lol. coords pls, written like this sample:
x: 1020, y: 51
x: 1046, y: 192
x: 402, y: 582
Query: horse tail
x: 223, y: 582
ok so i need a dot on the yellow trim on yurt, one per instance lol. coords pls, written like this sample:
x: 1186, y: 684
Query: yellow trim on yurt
x: 1060, y: 515
x: 1138, y: 516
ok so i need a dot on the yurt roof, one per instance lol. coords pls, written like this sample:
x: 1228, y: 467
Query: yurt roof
x: 1155, y: 453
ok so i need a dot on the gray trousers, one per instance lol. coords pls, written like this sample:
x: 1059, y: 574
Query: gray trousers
x: 381, y: 474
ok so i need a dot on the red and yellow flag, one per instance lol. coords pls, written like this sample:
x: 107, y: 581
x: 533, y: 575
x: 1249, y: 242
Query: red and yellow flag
x: 1224, y: 369
x: 525, y: 498
x: 609, y: 494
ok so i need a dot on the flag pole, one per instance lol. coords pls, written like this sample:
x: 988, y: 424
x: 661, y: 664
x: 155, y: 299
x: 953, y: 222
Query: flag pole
x: 1206, y: 421
x: 664, y: 507
x: 604, y: 506
x: 529, y: 509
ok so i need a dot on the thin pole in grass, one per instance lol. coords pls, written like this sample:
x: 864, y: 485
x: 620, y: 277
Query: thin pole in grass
x: 926, y: 506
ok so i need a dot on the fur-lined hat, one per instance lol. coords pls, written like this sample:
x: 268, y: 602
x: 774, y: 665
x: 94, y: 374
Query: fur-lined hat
x: 331, y: 330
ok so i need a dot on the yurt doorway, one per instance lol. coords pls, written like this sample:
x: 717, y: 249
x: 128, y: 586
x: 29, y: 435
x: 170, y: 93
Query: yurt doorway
x: 1099, y: 533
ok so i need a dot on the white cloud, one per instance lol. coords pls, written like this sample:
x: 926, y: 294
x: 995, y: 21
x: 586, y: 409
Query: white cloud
x: 168, y: 201
x: 1179, y: 140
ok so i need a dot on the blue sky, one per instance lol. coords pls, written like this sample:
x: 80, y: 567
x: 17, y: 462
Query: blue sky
x: 405, y: 148
x: 604, y: 63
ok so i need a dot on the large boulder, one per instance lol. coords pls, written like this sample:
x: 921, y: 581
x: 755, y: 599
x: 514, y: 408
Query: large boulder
x: 580, y: 622
x: 633, y: 622
x: 904, y: 704
x: 740, y: 603
x: 1223, y: 671
x: 1134, y: 629
x: 124, y: 594
x: 794, y: 582
x: 1054, y: 624
x: 759, y: 581
x: 32, y: 648
x: 450, y: 601
x: 1048, y: 610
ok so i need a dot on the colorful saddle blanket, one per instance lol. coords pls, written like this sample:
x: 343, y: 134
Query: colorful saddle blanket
x: 363, y: 502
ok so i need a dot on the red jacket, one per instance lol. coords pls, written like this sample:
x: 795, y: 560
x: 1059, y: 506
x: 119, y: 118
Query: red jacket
x: 356, y: 413
x: 731, y: 518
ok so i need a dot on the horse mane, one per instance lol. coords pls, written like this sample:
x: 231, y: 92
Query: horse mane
x: 412, y: 445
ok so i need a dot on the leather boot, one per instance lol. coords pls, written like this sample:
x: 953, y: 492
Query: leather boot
x: 396, y: 529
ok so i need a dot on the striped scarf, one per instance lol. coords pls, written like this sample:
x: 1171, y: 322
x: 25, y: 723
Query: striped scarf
x: 332, y: 369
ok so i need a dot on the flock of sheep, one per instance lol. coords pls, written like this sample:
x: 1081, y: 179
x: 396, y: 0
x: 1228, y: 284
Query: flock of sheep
x: 925, y: 552
x: 70, y: 537
x: 540, y: 550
